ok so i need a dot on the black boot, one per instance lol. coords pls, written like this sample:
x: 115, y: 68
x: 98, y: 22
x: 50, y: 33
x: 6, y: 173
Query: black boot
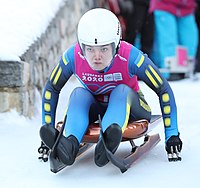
x: 112, y: 137
x: 67, y: 149
x: 48, y: 135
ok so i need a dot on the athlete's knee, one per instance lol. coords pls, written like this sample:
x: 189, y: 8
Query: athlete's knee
x: 121, y: 88
x: 81, y: 97
x: 80, y: 92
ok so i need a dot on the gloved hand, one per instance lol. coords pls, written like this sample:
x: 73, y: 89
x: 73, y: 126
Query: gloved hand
x: 43, y: 150
x: 173, y: 148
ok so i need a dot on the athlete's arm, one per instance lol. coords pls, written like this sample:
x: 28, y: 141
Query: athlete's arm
x: 59, y: 76
x: 146, y: 71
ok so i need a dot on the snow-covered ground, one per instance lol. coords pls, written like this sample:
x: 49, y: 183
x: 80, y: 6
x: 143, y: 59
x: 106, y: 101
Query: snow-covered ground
x: 19, y: 142
x: 22, y: 21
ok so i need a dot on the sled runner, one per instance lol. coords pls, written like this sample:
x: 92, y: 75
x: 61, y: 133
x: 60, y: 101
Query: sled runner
x: 134, y: 130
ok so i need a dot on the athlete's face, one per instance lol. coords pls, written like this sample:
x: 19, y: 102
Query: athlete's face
x: 99, y: 57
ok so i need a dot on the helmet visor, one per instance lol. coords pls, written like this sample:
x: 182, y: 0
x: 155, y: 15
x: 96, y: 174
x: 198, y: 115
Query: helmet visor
x: 99, y: 57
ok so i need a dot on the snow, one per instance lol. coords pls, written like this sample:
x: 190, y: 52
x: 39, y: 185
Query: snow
x: 22, y: 22
x: 20, y: 141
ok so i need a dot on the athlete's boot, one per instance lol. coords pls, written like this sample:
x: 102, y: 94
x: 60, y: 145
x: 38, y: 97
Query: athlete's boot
x: 67, y: 148
x: 112, y: 137
x: 48, y: 135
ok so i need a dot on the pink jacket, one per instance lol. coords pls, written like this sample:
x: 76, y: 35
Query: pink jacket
x: 177, y: 7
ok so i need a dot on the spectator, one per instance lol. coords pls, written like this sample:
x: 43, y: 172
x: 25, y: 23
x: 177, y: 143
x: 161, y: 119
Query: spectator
x: 174, y: 25
x: 140, y: 23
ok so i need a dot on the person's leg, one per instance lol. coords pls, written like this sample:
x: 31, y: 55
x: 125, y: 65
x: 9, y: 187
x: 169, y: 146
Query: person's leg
x: 134, y: 23
x: 166, y: 36
x: 188, y: 37
x: 147, y: 32
x: 77, y: 120
x: 124, y: 103
x: 81, y: 106
x: 81, y: 111
x: 197, y: 16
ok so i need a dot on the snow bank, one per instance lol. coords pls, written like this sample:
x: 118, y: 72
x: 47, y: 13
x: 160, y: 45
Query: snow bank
x: 22, y: 22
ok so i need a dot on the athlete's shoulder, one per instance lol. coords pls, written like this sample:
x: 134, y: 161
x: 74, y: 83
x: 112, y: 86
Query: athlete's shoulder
x: 68, y: 54
x: 135, y: 55
x: 124, y: 46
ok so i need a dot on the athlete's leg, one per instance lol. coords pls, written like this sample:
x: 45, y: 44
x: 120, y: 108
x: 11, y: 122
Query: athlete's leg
x: 76, y: 124
x: 81, y: 106
x: 123, y: 103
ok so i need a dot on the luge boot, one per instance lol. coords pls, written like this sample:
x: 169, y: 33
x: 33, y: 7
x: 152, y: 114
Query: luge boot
x: 67, y: 149
x: 112, y: 137
x: 48, y: 135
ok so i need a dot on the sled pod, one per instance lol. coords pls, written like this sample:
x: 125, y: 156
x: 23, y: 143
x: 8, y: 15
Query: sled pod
x: 134, y: 129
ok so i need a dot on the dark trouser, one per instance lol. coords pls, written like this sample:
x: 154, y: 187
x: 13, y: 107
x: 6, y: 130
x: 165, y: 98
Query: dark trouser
x: 197, y: 15
x: 141, y: 22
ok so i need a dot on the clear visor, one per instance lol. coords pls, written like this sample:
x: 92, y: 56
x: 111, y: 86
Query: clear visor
x: 99, y: 57
x: 100, y: 47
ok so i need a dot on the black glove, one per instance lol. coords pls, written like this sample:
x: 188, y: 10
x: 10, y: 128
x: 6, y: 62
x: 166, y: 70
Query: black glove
x: 173, y: 148
x: 43, y: 150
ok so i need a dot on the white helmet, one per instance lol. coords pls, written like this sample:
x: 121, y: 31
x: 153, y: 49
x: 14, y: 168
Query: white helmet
x: 99, y: 27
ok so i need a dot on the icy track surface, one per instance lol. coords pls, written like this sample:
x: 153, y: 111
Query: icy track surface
x: 20, y: 140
